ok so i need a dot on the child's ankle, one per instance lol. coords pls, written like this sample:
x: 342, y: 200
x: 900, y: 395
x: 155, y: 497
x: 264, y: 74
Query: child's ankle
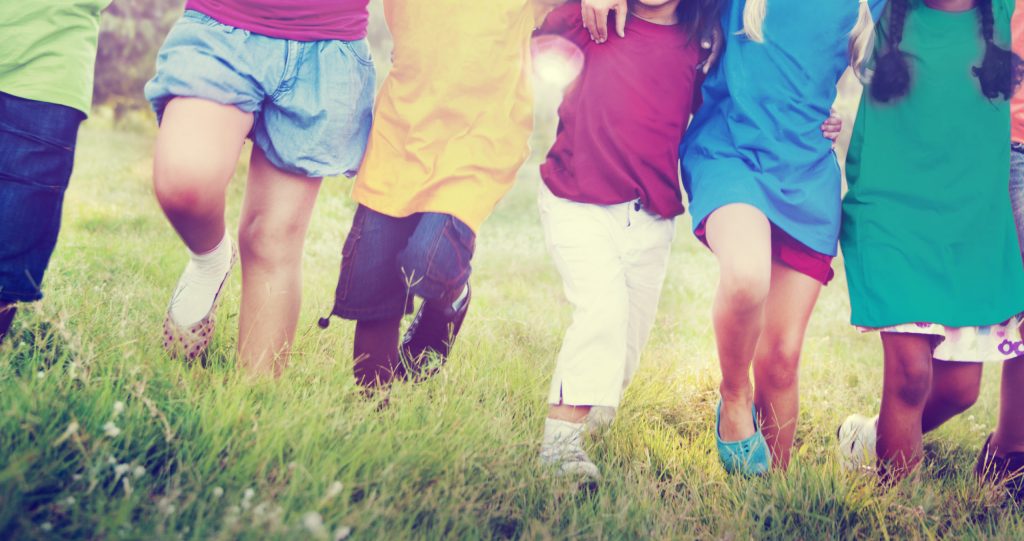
x: 568, y: 413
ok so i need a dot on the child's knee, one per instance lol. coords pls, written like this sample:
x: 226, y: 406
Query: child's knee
x: 187, y: 187
x: 744, y: 287
x: 263, y: 239
x: 914, y: 382
x: 779, y: 363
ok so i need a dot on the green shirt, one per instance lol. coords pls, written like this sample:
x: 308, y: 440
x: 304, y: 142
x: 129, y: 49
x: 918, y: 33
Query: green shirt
x: 928, y: 232
x: 48, y: 49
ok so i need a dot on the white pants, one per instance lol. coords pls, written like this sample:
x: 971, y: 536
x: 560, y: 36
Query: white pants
x: 613, y: 261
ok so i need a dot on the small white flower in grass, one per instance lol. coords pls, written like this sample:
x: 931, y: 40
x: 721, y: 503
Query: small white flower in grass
x: 76, y: 477
x: 46, y: 527
x: 333, y: 490
x: 118, y: 408
x: 314, y: 523
x: 139, y: 471
x: 41, y: 374
x: 111, y: 460
x: 248, y: 494
x: 111, y: 430
x: 69, y: 501
x: 218, y: 492
x: 342, y: 533
x: 121, y: 469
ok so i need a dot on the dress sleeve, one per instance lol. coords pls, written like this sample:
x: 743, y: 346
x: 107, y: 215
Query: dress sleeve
x: 566, y: 21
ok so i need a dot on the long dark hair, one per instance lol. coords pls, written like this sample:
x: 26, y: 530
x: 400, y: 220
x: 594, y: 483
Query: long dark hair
x: 999, y: 72
x: 699, y: 17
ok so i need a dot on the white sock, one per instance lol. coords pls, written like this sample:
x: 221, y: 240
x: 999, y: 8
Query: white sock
x: 560, y: 437
x: 198, y: 286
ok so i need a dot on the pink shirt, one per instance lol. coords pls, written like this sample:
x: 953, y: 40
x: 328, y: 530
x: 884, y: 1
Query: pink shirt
x: 622, y: 120
x: 299, y: 20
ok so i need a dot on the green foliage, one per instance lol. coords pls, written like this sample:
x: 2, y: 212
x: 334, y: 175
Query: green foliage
x: 203, y: 454
x: 131, y: 32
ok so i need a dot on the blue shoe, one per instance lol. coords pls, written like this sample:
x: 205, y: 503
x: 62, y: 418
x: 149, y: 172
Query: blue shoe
x: 748, y: 457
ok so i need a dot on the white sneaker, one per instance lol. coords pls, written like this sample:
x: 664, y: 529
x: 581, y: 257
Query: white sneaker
x: 562, y: 450
x: 570, y: 462
x: 857, y: 437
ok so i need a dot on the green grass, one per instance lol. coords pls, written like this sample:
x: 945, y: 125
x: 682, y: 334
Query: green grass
x: 201, y: 454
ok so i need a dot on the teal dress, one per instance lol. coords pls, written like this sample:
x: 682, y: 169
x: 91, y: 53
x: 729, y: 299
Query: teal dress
x: 928, y: 232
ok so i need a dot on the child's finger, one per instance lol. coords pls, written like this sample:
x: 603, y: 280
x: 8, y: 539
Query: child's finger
x: 589, y: 19
x: 621, y: 13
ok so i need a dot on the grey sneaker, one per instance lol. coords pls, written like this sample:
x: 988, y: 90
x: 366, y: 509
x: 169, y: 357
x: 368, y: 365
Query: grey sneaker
x: 572, y: 463
x: 857, y: 438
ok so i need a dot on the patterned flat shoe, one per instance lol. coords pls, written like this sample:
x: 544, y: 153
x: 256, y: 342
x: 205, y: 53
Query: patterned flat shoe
x: 749, y: 457
x: 190, y: 343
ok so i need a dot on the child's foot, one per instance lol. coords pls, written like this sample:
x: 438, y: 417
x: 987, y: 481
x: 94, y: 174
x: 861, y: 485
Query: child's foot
x: 1005, y: 470
x: 562, y: 450
x: 857, y: 438
x: 190, y: 321
x: 434, y: 330
x: 749, y: 456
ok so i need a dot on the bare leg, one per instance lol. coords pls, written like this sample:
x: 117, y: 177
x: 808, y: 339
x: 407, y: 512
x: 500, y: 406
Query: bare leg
x: 777, y: 357
x: 6, y: 318
x: 1009, y: 436
x: 197, y: 150
x: 955, y: 388
x: 905, y: 389
x: 740, y: 237
x: 375, y: 352
x: 565, y: 412
x: 275, y: 216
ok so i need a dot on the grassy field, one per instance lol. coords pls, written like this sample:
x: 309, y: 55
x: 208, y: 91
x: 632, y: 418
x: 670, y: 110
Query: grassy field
x: 103, y: 437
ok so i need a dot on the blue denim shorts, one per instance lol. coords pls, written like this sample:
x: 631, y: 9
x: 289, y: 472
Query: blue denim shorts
x: 37, y: 152
x: 388, y: 261
x: 1017, y: 188
x: 312, y: 101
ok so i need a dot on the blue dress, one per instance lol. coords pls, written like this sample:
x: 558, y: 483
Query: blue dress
x: 757, y: 137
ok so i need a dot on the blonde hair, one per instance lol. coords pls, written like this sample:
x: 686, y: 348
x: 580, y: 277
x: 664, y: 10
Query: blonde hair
x: 861, y: 37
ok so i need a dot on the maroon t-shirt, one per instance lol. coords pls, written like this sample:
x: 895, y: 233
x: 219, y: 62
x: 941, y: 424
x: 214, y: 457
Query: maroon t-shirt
x: 299, y: 20
x: 623, y: 118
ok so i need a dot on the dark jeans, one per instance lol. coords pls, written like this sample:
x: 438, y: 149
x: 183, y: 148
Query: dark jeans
x: 387, y: 261
x: 37, y: 152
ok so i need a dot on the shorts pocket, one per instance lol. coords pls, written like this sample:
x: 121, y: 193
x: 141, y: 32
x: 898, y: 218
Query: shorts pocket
x: 360, y: 50
x: 449, y: 264
x: 348, y: 251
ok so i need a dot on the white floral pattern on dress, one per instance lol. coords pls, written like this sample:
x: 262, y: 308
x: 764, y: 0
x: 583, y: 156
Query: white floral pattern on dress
x: 990, y: 343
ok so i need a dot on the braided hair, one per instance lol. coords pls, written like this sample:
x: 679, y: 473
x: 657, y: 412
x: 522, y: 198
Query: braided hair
x: 999, y: 72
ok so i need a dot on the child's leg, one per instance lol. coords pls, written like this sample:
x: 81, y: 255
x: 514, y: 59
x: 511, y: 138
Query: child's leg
x: 777, y: 357
x: 275, y: 216
x: 436, y: 267
x: 955, y: 388
x: 197, y: 149
x: 1009, y: 434
x: 375, y: 355
x: 740, y: 237
x: 905, y: 389
x: 647, y: 264
x: 371, y: 291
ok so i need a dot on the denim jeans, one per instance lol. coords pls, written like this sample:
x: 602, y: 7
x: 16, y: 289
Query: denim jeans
x: 386, y: 261
x: 37, y: 153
